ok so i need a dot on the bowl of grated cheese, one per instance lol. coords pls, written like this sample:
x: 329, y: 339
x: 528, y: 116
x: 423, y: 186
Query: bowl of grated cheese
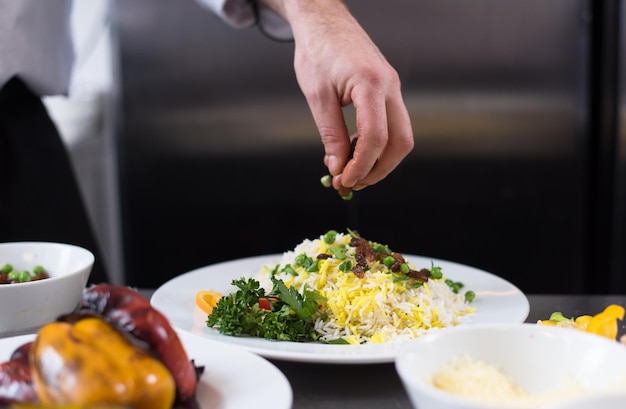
x: 520, y: 366
x: 610, y: 400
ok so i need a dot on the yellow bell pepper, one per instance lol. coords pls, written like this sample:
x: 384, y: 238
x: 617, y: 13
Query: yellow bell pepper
x: 603, y: 323
x: 38, y: 406
x: 90, y: 362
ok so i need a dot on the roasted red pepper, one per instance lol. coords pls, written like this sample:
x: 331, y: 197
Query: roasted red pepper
x: 69, y: 363
x: 16, y: 383
x: 132, y: 313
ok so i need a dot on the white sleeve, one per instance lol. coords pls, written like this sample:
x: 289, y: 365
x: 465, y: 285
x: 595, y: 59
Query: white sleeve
x: 36, y: 44
x: 247, y: 13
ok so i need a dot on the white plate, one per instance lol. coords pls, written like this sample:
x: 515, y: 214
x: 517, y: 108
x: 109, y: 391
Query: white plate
x: 497, y: 301
x: 232, y: 378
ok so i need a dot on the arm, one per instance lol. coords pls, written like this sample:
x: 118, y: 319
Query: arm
x: 336, y: 65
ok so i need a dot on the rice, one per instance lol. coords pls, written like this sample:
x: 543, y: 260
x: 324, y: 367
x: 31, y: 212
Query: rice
x: 374, y: 308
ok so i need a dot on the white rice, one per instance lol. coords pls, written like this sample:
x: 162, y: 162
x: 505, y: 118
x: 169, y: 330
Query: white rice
x: 374, y: 308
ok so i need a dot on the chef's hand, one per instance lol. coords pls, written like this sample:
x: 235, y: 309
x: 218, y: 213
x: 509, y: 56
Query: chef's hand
x: 337, y: 64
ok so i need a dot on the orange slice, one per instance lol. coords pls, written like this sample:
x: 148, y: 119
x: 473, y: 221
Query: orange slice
x: 207, y: 299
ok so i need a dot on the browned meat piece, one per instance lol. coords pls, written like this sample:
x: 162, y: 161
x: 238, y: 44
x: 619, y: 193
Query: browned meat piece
x: 358, y: 271
x: 423, y: 274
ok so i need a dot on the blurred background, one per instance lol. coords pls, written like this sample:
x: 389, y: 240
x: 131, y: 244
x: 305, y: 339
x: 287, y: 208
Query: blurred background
x: 194, y: 144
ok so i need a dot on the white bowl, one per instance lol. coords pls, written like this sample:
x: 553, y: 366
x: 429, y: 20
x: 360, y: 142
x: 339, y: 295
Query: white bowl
x: 540, y: 360
x: 24, y: 307
x: 602, y: 401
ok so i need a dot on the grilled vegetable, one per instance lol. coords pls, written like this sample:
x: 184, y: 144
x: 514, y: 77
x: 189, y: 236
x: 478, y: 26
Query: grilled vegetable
x: 15, y: 377
x: 90, y: 362
x: 603, y: 323
x: 37, y: 406
x: 116, y: 350
x: 132, y: 313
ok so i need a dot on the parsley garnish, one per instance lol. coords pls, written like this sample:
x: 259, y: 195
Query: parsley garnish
x: 290, y: 318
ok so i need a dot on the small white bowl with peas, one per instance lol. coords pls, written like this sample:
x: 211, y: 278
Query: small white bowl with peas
x: 39, y: 281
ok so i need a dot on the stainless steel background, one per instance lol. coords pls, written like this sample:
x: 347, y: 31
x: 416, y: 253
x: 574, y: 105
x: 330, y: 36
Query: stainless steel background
x: 618, y: 264
x: 220, y: 159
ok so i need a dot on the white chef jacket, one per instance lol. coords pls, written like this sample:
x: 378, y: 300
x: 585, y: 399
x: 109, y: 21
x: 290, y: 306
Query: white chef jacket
x: 245, y: 13
x: 36, y: 41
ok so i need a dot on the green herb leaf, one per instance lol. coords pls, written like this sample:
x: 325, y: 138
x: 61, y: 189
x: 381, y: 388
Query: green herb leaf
x: 346, y: 266
x: 289, y: 270
x: 238, y: 313
x: 339, y: 252
x: 304, y: 305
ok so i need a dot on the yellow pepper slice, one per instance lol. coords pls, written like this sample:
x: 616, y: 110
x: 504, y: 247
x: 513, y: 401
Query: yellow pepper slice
x: 40, y: 406
x: 603, y: 323
x: 90, y: 362
x: 583, y: 321
x: 615, y: 310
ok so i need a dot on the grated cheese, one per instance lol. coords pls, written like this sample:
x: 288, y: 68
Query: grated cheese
x: 477, y: 380
x: 488, y: 384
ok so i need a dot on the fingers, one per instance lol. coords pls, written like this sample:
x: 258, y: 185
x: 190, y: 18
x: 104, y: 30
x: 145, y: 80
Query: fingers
x: 385, y: 138
x: 371, y: 126
x: 399, y: 143
x: 328, y: 116
x: 336, y: 147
